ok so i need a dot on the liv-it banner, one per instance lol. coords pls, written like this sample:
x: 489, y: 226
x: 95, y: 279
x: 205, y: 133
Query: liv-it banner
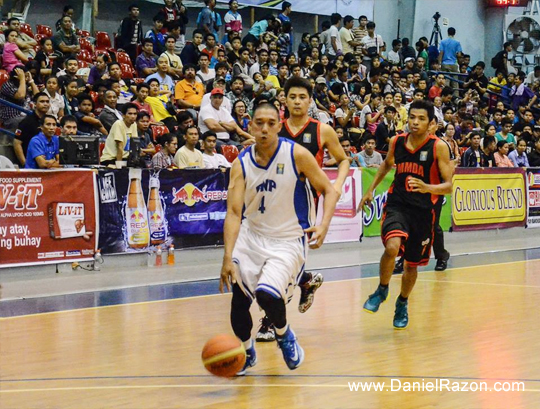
x: 487, y: 198
x: 141, y: 209
x: 533, y: 183
x: 346, y: 225
x: 47, y: 216
x: 373, y: 215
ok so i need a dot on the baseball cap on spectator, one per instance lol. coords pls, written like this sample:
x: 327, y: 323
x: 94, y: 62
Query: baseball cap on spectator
x: 216, y: 91
x: 409, y: 59
x: 320, y: 80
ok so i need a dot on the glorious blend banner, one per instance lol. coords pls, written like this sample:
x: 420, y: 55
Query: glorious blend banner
x: 47, y: 216
x: 533, y: 183
x: 484, y: 198
x: 140, y: 209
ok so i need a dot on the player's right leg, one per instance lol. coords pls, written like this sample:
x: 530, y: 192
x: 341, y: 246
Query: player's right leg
x: 242, y: 324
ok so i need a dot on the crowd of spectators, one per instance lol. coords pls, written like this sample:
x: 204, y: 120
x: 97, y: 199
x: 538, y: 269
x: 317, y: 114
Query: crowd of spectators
x: 199, y: 92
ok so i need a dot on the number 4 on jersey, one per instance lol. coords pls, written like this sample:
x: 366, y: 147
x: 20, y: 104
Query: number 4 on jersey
x: 261, y: 207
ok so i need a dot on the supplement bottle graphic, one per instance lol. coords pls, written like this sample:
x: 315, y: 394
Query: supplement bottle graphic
x: 158, y: 232
x: 138, y: 233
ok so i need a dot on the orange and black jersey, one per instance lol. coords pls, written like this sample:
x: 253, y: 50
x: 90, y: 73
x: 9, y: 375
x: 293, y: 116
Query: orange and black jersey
x: 309, y: 137
x: 421, y: 164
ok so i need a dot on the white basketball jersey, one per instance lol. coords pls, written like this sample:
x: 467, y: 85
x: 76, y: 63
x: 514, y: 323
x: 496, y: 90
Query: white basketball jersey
x: 277, y: 203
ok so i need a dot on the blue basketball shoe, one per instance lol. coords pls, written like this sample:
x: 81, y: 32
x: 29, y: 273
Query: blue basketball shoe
x: 293, y: 354
x: 401, y: 315
x: 375, y: 300
x: 251, y: 360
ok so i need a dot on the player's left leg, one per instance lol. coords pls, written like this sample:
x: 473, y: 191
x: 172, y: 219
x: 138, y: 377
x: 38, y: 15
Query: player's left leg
x: 441, y: 254
x: 401, y: 315
x: 242, y: 325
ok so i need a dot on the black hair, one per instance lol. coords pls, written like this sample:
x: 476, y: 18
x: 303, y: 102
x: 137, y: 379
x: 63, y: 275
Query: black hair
x: 42, y: 120
x: 488, y: 140
x: 347, y: 19
x: 142, y: 114
x: 85, y: 97
x: 183, y: 116
x: 38, y: 95
x: 325, y: 25
x: 370, y: 25
x: 298, y: 82
x: 188, y: 66
x: 335, y: 18
x: 128, y: 106
x: 451, y: 31
x: 284, y: 5
x: 501, y: 143
x: 265, y: 105
x: 207, y: 134
x: 166, y: 138
x: 425, y: 105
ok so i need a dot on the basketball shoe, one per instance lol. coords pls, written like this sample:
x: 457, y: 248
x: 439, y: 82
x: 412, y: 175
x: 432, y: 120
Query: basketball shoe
x: 307, y: 291
x: 398, y: 269
x: 375, y: 300
x: 251, y: 360
x: 266, y: 332
x: 401, y: 315
x: 293, y: 354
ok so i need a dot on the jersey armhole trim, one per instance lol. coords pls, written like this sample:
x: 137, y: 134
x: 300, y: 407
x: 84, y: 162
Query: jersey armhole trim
x: 294, y: 162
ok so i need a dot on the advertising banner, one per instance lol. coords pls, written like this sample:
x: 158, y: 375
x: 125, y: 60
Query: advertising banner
x: 146, y: 208
x: 324, y: 7
x: 346, y: 225
x: 372, y: 217
x: 488, y: 198
x: 533, y: 183
x: 47, y: 216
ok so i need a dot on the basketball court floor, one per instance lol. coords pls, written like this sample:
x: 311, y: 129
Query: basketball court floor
x: 474, y: 328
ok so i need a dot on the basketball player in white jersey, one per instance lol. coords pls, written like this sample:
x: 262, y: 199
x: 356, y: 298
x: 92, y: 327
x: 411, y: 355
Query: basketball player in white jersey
x: 269, y: 213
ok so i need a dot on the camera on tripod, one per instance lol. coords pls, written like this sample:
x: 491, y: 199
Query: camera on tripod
x: 436, y: 16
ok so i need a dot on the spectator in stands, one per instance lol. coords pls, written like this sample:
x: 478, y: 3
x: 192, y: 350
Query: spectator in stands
x: 355, y: 159
x: 143, y: 89
x: 335, y: 46
x: 449, y: 51
x: 211, y: 159
x: 210, y: 49
x: 165, y: 157
x: 233, y: 19
x: 437, y: 88
x: 471, y: 157
x: 372, y: 45
x: 489, y: 145
x: 184, y: 120
x: 188, y: 156
x: 422, y: 55
x: 476, y: 79
x: 497, y: 83
x: 506, y: 133
x: 209, y: 20
x: 156, y: 36
x: 72, y: 66
x: 99, y: 71
x: 394, y: 56
x: 176, y: 15
x: 237, y: 93
x: 501, y: 156
x: 68, y: 125
x: 159, y: 105
x: 219, y: 82
x: 56, y: 107
x: 188, y: 93
x: 205, y: 75
x: 47, y: 58
x: 131, y: 32
x: 173, y: 61
x: 215, y: 117
x: 147, y: 146
x: 534, y: 155
x: 44, y: 147
x: 17, y: 90
x: 386, y: 129
x: 284, y: 40
x: 258, y: 29
x: 29, y: 126
x: 304, y: 47
x: 12, y: 55
x: 346, y: 36
x: 190, y: 53
x: 110, y: 114
x: 521, y: 94
x: 86, y: 120
x: 116, y: 144
x: 71, y: 104
x: 25, y: 43
x: 407, y: 51
x: 372, y: 158
x: 146, y: 62
x: 518, y: 155
x: 166, y: 83
x: 359, y: 33
x: 65, y: 39
x: 240, y: 114
x: 67, y: 11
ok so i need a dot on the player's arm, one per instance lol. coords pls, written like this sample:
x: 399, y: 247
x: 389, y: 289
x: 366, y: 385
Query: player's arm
x: 330, y: 141
x: 235, y: 203
x: 446, y: 170
x: 386, y: 167
x: 306, y: 165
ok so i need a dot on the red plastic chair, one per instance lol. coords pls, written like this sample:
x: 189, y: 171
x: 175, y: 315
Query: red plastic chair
x: 44, y: 30
x: 127, y: 71
x: 462, y: 150
x: 103, y: 41
x: 94, y: 96
x: 83, y: 64
x: 230, y: 152
x: 27, y: 29
x: 83, y: 33
x: 39, y: 37
x: 158, y: 130
x: 4, y: 76
x: 85, y: 55
x: 123, y: 58
x: 86, y: 45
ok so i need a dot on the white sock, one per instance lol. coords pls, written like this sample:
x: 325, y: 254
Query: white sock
x: 248, y: 344
x: 281, y: 331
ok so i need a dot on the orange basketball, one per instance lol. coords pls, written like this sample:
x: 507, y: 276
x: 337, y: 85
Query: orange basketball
x: 224, y: 355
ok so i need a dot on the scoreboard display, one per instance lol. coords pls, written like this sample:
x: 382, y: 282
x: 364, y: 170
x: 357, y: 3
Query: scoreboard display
x: 507, y: 3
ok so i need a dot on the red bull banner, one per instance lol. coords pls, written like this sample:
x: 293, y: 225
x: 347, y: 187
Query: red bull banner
x: 533, y: 184
x: 47, y: 216
x: 143, y: 209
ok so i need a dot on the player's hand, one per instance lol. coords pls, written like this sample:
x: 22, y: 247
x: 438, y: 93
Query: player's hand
x: 228, y: 275
x: 366, y: 201
x: 317, y: 238
x: 418, y: 185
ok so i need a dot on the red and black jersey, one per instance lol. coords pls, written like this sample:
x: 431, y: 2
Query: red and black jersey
x: 309, y: 137
x: 421, y: 164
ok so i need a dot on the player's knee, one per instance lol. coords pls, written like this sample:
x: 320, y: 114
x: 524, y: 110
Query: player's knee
x: 239, y: 300
x: 392, y: 246
x: 266, y: 300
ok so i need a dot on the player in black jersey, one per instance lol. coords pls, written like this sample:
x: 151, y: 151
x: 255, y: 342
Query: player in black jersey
x: 423, y: 174
x: 315, y: 137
